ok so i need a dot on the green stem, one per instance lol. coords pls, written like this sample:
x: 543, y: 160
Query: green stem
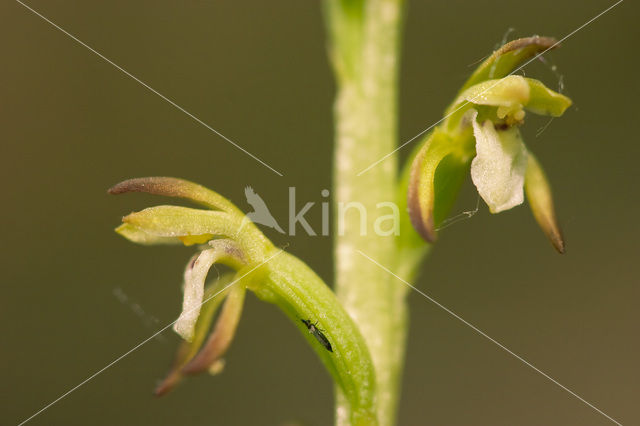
x: 365, y: 54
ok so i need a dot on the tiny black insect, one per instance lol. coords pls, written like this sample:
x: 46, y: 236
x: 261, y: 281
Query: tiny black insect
x: 317, y: 333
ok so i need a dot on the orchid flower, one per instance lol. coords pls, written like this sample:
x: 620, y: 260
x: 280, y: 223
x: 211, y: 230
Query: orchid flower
x: 224, y: 235
x: 482, y: 133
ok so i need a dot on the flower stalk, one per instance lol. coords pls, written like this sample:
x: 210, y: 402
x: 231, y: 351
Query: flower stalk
x: 364, y: 50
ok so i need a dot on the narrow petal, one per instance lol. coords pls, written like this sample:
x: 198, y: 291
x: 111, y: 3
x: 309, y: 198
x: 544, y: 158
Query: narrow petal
x: 194, y: 278
x: 499, y: 167
x: 175, y: 221
x: 511, y: 91
x: 197, y: 225
x: 514, y: 92
x: 139, y: 236
x: 173, y: 187
x: 539, y: 196
x: 222, y: 335
x: 544, y: 101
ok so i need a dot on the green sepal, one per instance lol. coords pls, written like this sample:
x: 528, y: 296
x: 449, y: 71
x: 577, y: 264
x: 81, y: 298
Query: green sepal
x: 508, y: 57
x: 501, y: 63
x: 174, y: 187
x: 437, y: 172
x: 538, y: 192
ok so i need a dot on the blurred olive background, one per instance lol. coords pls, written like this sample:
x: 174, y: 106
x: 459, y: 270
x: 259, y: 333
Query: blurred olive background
x: 76, y: 296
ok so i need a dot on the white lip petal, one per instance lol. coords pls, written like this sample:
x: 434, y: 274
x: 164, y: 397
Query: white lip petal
x: 194, y: 277
x: 499, y: 167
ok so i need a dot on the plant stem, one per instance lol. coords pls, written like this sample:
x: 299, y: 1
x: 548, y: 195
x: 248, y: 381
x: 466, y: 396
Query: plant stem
x: 365, y: 53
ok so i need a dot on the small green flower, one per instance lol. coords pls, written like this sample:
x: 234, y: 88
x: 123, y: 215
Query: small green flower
x: 482, y: 133
x: 499, y: 167
x: 224, y: 235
